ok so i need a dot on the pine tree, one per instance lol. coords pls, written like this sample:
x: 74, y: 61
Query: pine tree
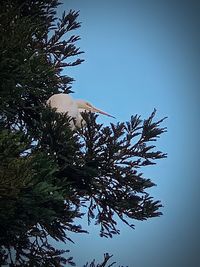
x: 47, y: 171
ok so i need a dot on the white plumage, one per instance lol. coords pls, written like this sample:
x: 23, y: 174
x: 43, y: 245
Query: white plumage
x: 65, y: 103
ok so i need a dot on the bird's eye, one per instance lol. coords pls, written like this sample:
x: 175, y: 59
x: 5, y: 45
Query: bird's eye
x: 88, y: 104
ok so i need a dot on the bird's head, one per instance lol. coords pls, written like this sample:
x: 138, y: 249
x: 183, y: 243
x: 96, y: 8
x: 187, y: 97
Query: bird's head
x: 82, y: 104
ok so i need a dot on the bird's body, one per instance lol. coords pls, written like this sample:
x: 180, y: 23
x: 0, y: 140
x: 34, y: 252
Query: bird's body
x: 64, y: 103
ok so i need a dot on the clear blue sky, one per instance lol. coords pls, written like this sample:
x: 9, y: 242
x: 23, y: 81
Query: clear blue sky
x: 141, y: 55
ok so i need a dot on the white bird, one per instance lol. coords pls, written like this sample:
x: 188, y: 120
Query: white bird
x: 65, y: 103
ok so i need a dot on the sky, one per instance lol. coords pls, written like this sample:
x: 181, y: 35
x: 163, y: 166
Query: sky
x: 140, y: 55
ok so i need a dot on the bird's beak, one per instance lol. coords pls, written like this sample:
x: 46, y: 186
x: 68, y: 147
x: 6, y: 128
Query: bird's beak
x: 102, y: 112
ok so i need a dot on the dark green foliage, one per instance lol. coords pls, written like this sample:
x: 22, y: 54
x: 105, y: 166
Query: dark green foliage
x: 47, y: 171
x: 112, y: 155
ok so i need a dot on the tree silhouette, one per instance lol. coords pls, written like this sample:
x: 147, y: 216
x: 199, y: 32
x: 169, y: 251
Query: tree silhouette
x: 47, y: 171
